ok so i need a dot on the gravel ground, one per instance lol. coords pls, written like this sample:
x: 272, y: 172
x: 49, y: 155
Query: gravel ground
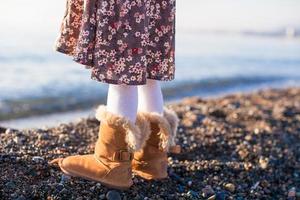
x: 242, y: 146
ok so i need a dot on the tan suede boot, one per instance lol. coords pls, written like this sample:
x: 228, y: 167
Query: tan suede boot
x: 111, y: 162
x: 151, y: 162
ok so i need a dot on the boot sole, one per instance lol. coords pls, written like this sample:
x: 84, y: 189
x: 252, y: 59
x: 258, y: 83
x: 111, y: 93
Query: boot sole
x: 90, y: 179
x: 147, y: 176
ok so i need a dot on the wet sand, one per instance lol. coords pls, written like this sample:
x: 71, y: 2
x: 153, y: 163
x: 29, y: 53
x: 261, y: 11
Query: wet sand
x: 241, y: 146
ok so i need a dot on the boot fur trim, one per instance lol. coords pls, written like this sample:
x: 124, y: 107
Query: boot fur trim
x: 168, y: 123
x: 136, y: 133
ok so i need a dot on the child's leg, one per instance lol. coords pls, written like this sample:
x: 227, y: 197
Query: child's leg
x: 150, y: 98
x: 152, y: 161
x: 122, y: 100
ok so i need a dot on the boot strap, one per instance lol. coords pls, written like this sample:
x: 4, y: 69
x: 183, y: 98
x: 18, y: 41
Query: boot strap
x: 122, y: 155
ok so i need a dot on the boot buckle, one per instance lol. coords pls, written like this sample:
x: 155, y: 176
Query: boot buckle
x: 124, y: 155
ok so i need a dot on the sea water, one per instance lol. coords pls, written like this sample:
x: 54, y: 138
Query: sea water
x: 35, y: 80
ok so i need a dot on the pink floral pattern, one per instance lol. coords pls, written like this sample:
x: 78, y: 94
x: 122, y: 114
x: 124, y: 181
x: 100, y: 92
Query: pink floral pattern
x: 121, y: 41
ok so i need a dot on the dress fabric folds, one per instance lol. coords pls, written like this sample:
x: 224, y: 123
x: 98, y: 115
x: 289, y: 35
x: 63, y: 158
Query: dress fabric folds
x: 121, y: 41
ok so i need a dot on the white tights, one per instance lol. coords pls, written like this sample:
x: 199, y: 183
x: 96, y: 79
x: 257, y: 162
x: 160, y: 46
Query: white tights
x: 126, y: 100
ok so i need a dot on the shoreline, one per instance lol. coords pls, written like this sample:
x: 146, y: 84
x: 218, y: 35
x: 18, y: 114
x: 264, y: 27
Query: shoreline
x: 56, y: 118
x: 29, y: 107
x: 238, y: 146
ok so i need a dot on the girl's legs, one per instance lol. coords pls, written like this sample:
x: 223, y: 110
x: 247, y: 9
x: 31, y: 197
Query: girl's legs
x: 123, y: 100
x: 163, y: 124
x: 150, y: 98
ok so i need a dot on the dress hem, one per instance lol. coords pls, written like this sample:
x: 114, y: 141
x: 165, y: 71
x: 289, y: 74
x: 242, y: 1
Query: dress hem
x: 105, y: 80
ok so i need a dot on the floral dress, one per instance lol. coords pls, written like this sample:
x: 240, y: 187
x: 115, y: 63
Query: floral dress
x: 121, y: 41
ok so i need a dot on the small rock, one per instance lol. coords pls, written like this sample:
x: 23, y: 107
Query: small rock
x: 255, y: 185
x: 265, y: 183
x: 256, y: 131
x: 2, y: 130
x: 113, y: 195
x: 292, y: 193
x: 243, y: 153
x: 176, y: 177
x: 248, y: 166
x: 207, y: 191
x: 213, y: 197
x: 43, y: 136
x: 64, y: 191
x: 18, y: 140
x: 218, y: 113
x: 98, y: 185
x: 37, y: 159
x: 248, y: 137
x: 92, y: 188
x: 21, y: 198
x: 180, y: 188
x: 230, y: 187
x: 263, y: 162
x: 193, y: 194
x: 8, y: 131
x: 14, y: 195
x: 59, y: 187
x: 221, y: 195
x: 64, y: 178
x: 102, y: 196
x: 10, y: 185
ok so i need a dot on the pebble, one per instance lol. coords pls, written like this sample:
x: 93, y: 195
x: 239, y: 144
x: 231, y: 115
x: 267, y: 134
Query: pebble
x: 19, y: 140
x: 59, y: 187
x: 193, y: 194
x: 221, y: 195
x: 64, y: 178
x: 207, y: 191
x: 10, y: 185
x: 263, y: 162
x: 21, y: 198
x: 176, y: 177
x: 292, y: 193
x: 255, y: 185
x: 218, y: 113
x: 37, y: 159
x: 8, y: 131
x: 113, y: 195
x: 2, y: 129
x: 230, y: 187
x: 180, y: 188
x: 64, y: 191
x: 265, y: 183
x: 43, y: 136
x: 213, y: 197
x: 102, y: 196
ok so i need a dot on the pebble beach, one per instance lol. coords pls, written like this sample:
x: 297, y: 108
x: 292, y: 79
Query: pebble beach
x: 239, y: 147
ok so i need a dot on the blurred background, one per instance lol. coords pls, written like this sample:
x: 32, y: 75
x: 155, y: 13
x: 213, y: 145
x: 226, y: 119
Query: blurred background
x: 222, y: 46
